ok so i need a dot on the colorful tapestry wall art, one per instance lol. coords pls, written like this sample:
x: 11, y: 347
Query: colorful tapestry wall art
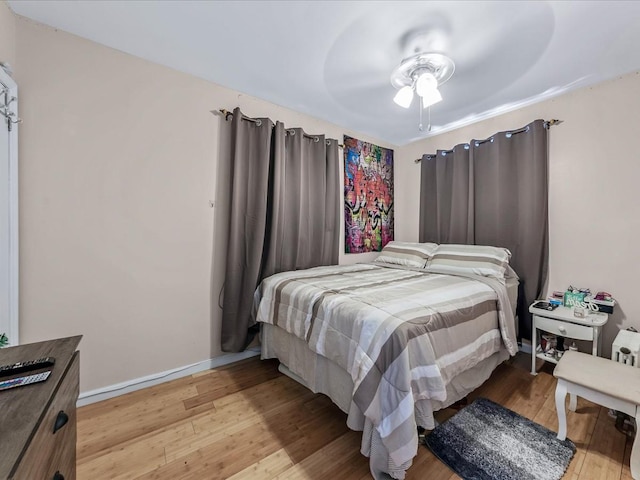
x: 368, y: 196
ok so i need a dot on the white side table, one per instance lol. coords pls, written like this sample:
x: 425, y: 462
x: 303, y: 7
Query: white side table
x: 562, y: 322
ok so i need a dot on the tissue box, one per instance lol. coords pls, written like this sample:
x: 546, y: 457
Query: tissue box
x: 573, y: 299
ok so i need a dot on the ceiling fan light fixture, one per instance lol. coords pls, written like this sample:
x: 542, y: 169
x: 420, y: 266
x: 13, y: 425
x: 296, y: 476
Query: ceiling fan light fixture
x: 425, y: 84
x: 404, y: 97
x: 424, y: 73
x: 427, y: 88
x: 431, y: 97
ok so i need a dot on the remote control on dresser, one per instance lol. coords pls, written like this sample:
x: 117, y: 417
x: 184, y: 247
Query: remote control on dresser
x: 26, y: 380
x: 29, y: 366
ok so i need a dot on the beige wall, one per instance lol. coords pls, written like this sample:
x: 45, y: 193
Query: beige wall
x: 7, y: 34
x: 594, y: 199
x: 118, y: 161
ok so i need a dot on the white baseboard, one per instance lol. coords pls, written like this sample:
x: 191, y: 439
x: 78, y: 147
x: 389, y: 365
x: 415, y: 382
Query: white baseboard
x: 118, y: 389
x: 525, y: 347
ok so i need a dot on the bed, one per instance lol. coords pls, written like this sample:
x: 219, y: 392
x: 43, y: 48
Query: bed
x: 392, y: 341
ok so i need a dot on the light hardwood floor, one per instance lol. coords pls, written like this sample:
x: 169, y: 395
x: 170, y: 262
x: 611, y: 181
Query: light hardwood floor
x: 248, y: 421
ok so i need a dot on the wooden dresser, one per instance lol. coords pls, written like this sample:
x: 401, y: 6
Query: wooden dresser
x: 30, y: 449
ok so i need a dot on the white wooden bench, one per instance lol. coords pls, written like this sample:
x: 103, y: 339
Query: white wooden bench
x: 602, y: 381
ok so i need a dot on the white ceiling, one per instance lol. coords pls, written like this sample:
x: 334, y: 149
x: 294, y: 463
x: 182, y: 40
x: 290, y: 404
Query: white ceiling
x: 332, y: 59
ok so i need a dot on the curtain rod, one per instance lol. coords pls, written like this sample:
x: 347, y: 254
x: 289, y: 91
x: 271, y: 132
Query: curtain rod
x: 258, y: 122
x: 292, y: 132
x: 547, y: 124
x: 228, y: 114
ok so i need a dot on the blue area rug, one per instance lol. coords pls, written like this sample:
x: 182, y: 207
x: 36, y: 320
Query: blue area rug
x: 486, y: 441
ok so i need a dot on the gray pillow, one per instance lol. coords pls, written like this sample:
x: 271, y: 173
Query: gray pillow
x: 475, y: 259
x: 408, y: 254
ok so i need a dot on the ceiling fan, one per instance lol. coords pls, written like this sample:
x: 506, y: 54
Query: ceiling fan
x: 421, y: 73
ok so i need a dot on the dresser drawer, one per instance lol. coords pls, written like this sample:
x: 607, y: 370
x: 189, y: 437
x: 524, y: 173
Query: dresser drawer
x: 564, y: 329
x: 50, y: 452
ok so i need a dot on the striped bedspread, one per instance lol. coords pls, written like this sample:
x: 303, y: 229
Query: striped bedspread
x: 400, y: 333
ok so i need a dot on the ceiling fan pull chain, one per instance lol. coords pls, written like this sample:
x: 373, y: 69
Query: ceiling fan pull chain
x: 421, y: 108
x: 429, y: 120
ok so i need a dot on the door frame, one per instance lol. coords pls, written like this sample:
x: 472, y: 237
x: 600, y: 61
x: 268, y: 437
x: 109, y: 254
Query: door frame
x: 13, y: 330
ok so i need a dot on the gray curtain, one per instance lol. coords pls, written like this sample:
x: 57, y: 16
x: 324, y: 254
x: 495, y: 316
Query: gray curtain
x: 504, y: 182
x: 446, y: 197
x: 250, y: 158
x: 304, y: 223
x: 284, y: 213
x: 511, y: 205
